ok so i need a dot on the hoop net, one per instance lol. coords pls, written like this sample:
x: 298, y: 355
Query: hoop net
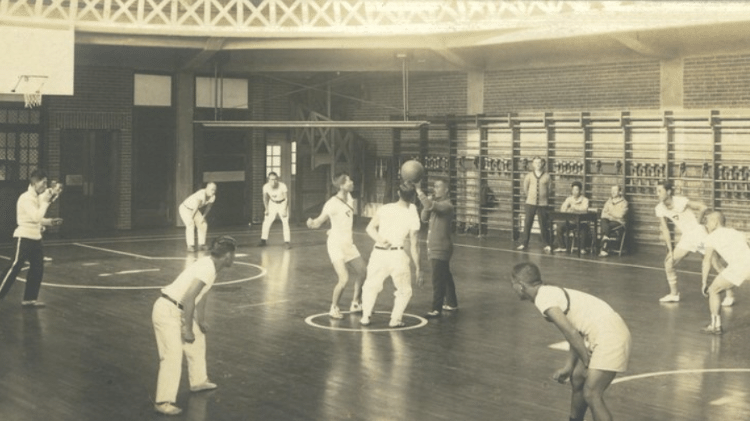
x: 31, y: 88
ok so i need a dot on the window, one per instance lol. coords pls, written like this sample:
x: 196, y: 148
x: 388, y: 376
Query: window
x: 273, y: 159
x: 294, y: 158
x: 20, y: 143
x: 152, y: 90
x: 232, y: 93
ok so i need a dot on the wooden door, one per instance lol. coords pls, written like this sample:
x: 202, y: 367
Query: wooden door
x: 87, y: 164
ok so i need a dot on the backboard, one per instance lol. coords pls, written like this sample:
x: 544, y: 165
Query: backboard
x: 37, y: 59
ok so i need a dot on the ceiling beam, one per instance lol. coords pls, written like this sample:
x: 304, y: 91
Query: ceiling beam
x: 632, y: 42
x: 456, y: 59
x: 315, y: 124
x: 211, y: 47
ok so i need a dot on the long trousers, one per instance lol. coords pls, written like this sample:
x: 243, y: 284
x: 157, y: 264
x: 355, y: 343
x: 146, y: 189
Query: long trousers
x: 31, y: 251
x: 274, y: 210
x: 191, y: 223
x: 529, y: 212
x: 167, y: 320
x: 443, y: 288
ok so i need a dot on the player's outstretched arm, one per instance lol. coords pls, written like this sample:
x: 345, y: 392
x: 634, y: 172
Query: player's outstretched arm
x: 699, y: 208
x: 319, y: 220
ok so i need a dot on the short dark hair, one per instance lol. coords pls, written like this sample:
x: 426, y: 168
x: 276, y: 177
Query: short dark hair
x: 339, y: 178
x: 407, y: 192
x: 527, y: 273
x: 37, y: 175
x: 223, y: 245
x: 578, y: 184
x: 667, y: 185
x: 272, y: 173
x: 441, y: 179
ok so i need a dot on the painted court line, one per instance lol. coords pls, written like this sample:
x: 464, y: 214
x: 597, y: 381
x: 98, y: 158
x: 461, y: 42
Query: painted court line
x: 128, y: 272
x: 560, y: 346
x: 598, y: 262
x: 688, y: 371
x: 124, y: 253
x: 261, y: 269
x: 267, y: 303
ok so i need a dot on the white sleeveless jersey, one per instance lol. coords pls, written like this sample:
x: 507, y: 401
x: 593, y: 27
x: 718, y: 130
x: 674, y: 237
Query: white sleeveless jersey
x: 682, y: 217
x: 341, y: 215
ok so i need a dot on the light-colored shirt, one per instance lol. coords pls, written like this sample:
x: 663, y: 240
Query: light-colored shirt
x: 341, y: 215
x: 615, y: 209
x: 203, y: 269
x: 198, y: 200
x: 397, y: 221
x: 682, y: 217
x: 30, y: 210
x: 572, y: 204
x: 277, y: 194
x: 589, y: 315
x: 730, y: 244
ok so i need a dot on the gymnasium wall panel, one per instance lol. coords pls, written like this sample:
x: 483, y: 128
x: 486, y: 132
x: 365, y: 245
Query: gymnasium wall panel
x: 596, y: 86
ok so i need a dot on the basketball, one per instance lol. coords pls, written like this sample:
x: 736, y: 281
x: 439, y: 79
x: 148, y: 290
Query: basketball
x: 412, y: 171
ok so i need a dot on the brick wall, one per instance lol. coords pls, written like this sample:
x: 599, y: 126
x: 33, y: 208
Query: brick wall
x: 268, y: 100
x: 717, y: 82
x: 609, y: 86
x: 433, y: 94
x: 103, y: 100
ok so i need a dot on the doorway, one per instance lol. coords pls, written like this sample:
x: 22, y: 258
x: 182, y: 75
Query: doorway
x: 88, y: 165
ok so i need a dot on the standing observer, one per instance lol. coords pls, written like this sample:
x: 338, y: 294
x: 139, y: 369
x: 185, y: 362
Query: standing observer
x: 536, y: 187
x: 30, y: 210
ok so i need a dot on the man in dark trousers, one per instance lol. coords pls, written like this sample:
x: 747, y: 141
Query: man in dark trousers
x: 537, y: 186
x: 30, y: 210
x: 438, y: 211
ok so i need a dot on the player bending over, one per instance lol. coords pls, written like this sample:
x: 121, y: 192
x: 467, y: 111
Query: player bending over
x: 730, y: 245
x: 599, y: 339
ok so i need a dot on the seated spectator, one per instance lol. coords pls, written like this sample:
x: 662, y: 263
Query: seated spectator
x: 575, y: 203
x: 613, y: 218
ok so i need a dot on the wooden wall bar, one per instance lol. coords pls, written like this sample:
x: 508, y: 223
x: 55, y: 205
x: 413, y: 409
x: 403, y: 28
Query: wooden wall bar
x: 706, y: 153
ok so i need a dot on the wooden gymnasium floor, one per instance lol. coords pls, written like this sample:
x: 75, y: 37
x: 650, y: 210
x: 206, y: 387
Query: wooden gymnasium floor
x: 91, y: 354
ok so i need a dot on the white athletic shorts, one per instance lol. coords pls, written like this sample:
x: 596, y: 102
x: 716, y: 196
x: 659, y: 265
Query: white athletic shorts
x: 736, y: 274
x: 612, y: 351
x: 341, y: 250
x: 693, y: 240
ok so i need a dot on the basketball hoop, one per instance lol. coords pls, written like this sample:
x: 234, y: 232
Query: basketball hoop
x: 31, y: 88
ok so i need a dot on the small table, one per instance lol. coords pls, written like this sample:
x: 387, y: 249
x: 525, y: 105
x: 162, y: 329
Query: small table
x: 576, y: 218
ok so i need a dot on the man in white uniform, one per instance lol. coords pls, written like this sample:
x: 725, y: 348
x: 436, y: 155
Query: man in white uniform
x: 276, y: 204
x: 732, y: 246
x: 193, y: 212
x: 339, y: 209
x: 682, y: 212
x: 30, y: 210
x: 180, y: 325
x: 389, y: 228
x: 599, y: 339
